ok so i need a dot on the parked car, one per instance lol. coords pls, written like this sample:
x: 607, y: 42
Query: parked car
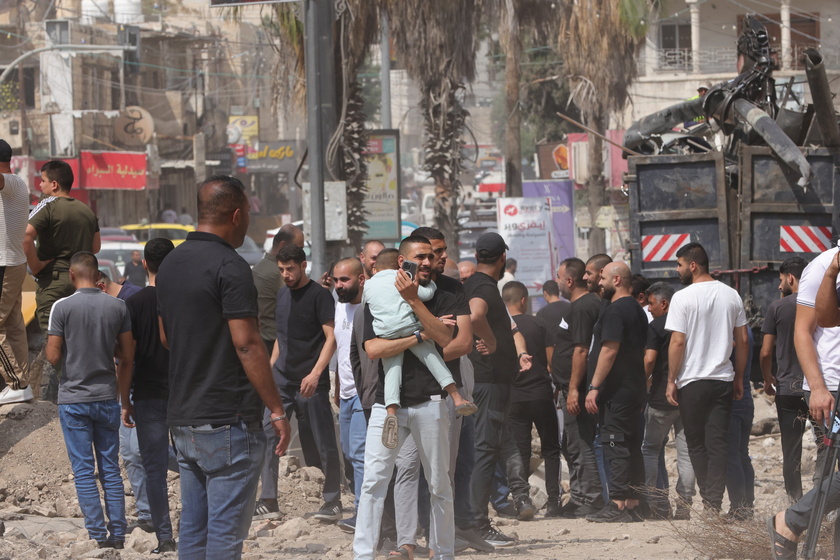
x: 250, y: 251
x: 116, y: 234
x: 176, y: 233
x: 109, y: 268
x: 118, y: 252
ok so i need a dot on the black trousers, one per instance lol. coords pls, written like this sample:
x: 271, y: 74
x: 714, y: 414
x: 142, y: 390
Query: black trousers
x: 543, y: 415
x: 621, y: 441
x: 793, y: 413
x: 493, y: 443
x: 704, y: 409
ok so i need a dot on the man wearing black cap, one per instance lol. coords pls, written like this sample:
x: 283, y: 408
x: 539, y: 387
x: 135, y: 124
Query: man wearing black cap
x: 14, y: 351
x: 496, y: 366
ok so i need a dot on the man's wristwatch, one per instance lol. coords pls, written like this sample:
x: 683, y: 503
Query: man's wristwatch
x: 594, y: 388
x: 418, y: 337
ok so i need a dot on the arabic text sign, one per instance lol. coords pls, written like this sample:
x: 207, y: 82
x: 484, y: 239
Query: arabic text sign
x: 273, y: 157
x: 382, y: 199
x: 525, y: 225
x: 561, y: 195
x: 113, y: 170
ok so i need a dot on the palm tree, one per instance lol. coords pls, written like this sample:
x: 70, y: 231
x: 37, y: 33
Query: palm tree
x: 435, y: 42
x: 599, y: 41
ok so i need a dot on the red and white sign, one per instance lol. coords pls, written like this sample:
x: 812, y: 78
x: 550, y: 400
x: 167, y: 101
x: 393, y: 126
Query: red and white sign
x: 804, y: 239
x: 525, y: 225
x: 113, y: 170
x: 664, y: 247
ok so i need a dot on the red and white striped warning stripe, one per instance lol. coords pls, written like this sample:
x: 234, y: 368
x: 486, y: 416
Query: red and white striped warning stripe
x: 804, y: 239
x: 658, y: 248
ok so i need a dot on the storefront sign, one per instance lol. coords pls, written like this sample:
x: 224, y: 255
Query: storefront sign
x: 273, y: 157
x: 113, y: 170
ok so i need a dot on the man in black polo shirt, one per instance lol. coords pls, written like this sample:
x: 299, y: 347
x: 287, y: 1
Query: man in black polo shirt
x: 423, y: 411
x: 532, y: 397
x: 219, y: 375
x: 149, y: 391
x: 496, y: 366
x: 301, y: 358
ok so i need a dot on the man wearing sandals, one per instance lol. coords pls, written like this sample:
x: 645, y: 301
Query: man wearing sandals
x: 423, y: 412
x: 816, y: 312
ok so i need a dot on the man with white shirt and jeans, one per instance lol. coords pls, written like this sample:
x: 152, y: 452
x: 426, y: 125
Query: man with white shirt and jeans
x: 704, y: 318
x: 348, y: 277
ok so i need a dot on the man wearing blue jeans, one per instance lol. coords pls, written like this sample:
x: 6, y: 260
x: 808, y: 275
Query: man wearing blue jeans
x: 145, y: 397
x: 84, y: 329
x: 218, y: 375
x: 348, y: 277
x: 423, y: 413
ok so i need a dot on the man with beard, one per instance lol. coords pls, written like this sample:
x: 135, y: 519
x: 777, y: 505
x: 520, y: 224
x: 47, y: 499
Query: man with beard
x: 301, y: 358
x: 423, y: 413
x: 617, y: 392
x: 787, y: 383
x: 704, y: 318
x: 370, y: 250
x: 348, y: 278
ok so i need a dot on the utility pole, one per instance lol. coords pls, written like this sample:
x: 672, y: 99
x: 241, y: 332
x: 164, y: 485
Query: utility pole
x: 385, y: 73
x: 317, y: 235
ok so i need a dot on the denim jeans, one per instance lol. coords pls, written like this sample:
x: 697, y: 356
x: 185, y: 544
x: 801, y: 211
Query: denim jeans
x: 130, y: 453
x: 91, y: 434
x: 352, y: 427
x: 740, y: 475
x: 153, y: 439
x: 657, y: 425
x: 220, y: 469
x: 428, y: 423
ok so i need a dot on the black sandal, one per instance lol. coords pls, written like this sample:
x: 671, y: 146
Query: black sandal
x: 781, y: 547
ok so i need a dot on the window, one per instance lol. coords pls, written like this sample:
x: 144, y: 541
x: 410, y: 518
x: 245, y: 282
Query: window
x: 675, y: 45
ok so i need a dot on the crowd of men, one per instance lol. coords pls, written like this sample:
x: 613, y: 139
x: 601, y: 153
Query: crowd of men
x: 216, y: 355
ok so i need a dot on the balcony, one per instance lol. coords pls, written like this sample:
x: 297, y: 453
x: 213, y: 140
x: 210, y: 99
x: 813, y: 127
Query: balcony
x: 724, y: 60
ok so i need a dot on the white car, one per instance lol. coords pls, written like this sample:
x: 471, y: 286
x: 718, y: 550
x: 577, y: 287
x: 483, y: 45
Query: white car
x: 118, y: 252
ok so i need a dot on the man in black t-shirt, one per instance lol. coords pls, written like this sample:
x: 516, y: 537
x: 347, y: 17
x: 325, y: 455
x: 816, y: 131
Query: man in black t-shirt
x: 617, y: 392
x: 150, y: 393
x: 496, y: 367
x: 532, y: 397
x: 301, y: 358
x: 219, y: 375
x: 555, y: 310
x: 574, y: 335
x: 134, y: 271
x: 660, y: 415
x: 423, y: 412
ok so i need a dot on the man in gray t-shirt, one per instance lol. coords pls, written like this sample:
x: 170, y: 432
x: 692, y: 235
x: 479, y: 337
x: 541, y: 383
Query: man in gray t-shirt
x: 84, y: 330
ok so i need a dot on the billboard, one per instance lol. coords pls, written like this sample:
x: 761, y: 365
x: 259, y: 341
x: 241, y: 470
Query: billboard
x: 382, y: 199
x: 525, y: 225
x: 561, y: 198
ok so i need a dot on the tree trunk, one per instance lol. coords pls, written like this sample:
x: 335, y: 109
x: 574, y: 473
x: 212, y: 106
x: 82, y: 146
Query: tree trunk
x: 512, y: 43
x: 595, y: 186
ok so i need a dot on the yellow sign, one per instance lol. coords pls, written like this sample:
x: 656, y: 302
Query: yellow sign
x: 243, y: 130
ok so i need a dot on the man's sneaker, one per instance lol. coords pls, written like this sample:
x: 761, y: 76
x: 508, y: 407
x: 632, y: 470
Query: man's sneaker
x: 525, y: 508
x: 471, y: 537
x: 9, y: 395
x: 576, y: 511
x: 348, y: 525
x: 554, y: 509
x: 165, y: 546
x: 329, y: 512
x: 610, y: 513
x: 119, y: 545
x: 507, y: 511
x: 266, y: 510
x: 495, y: 537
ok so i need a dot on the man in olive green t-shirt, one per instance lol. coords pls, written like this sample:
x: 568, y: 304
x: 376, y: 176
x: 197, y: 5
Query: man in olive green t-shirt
x: 63, y: 226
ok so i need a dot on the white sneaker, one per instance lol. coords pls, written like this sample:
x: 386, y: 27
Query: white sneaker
x: 9, y: 395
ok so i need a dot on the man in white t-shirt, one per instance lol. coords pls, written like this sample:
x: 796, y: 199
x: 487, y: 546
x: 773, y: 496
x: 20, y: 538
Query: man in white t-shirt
x: 348, y: 277
x: 704, y: 318
x: 14, y: 350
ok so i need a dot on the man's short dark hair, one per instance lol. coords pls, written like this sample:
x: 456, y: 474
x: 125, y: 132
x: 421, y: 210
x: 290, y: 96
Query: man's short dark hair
x: 550, y: 288
x: 280, y: 237
x: 60, y: 172
x: 793, y: 265
x: 5, y: 152
x: 575, y: 269
x: 291, y: 253
x: 412, y: 240
x: 661, y: 291
x: 85, y: 260
x: 600, y: 260
x: 694, y: 253
x: 638, y: 285
x: 510, y: 263
x: 216, y: 204
x: 155, y: 251
x: 387, y: 259
x: 514, y: 291
x: 429, y: 233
